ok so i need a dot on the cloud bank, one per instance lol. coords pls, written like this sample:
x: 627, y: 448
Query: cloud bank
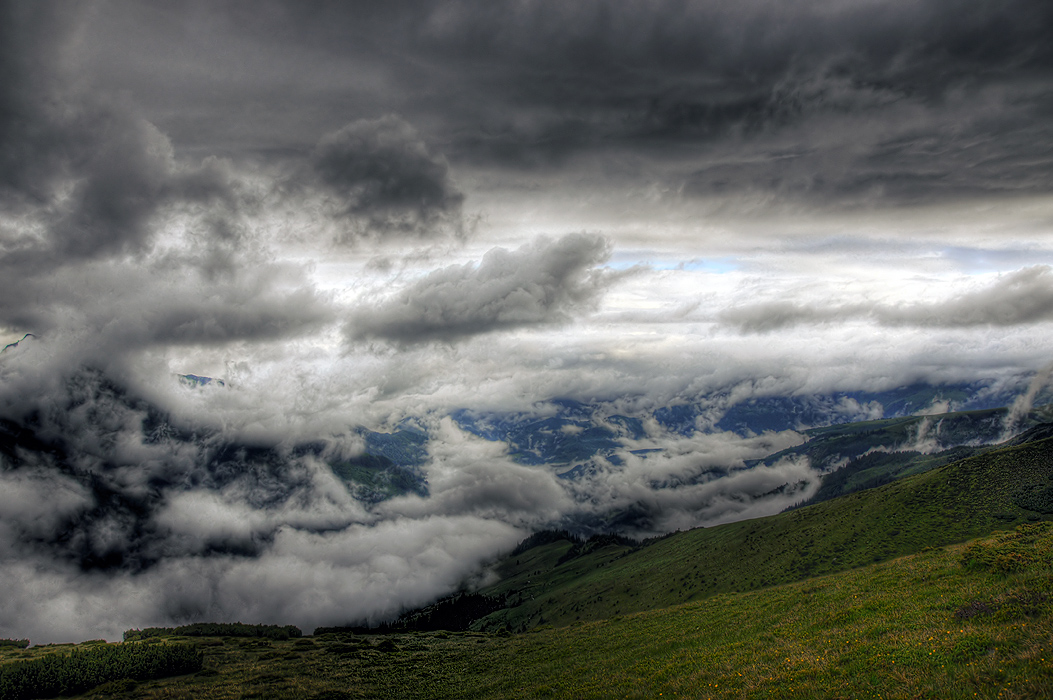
x: 115, y: 515
x: 638, y: 222
x: 1021, y: 297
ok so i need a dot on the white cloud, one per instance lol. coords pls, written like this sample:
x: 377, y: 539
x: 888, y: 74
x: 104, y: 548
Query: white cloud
x: 540, y: 283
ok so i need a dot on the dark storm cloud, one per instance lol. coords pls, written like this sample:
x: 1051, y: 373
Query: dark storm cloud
x: 115, y: 310
x: 904, y: 101
x: 385, y: 181
x: 1020, y: 298
x: 33, y: 38
x: 87, y: 167
x: 89, y: 190
x: 699, y: 70
x: 543, y: 282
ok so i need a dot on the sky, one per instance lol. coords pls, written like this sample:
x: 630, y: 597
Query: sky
x: 357, y: 214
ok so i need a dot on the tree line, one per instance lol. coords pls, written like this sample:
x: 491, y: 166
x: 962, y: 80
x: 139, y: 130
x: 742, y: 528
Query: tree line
x: 217, y: 629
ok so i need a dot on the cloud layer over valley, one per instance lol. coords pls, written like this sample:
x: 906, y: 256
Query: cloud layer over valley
x: 313, y: 310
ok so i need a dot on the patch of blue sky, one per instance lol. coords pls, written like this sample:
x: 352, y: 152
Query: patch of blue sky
x: 982, y: 260
x: 660, y: 261
x: 716, y: 265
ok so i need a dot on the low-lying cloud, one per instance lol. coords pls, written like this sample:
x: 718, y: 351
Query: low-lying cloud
x: 547, y: 281
x: 355, y: 575
x: 1021, y: 297
x: 122, y: 517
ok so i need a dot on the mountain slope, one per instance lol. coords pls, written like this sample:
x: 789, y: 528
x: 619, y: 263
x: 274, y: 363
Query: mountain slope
x: 858, y: 456
x: 952, y: 503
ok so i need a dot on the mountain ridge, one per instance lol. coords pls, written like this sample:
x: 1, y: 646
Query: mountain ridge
x: 950, y: 503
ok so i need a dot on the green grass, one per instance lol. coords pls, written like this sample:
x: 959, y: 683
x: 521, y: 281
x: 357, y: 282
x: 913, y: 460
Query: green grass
x: 954, y: 622
x: 93, y: 664
x: 952, y: 503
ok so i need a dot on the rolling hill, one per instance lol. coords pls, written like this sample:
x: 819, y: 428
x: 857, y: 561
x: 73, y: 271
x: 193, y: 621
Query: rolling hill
x: 565, y: 581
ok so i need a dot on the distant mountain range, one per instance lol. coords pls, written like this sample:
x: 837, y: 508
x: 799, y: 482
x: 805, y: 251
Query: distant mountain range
x: 567, y: 435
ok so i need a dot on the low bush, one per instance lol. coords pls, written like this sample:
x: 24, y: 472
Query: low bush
x: 217, y: 629
x: 1012, y: 551
x: 1038, y: 499
x: 84, y: 669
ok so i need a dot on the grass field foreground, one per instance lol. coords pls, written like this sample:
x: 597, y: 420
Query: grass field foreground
x: 965, y: 621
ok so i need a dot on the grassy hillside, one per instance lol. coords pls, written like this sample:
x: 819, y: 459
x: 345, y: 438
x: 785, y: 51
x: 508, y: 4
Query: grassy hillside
x: 867, y: 454
x: 966, y: 621
x: 947, y: 504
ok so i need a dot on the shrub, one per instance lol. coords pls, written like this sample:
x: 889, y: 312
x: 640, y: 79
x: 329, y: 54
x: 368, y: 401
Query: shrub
x: 83, y: 669
x: 1038, y: 499
x: 217, y: 629
x: 1027, y: 546
x: 542, y: 538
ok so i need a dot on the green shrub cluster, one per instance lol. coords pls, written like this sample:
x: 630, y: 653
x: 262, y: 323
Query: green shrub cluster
x: 582, y: 547
x: 217, y: 629
x: 541, y: 538
x: 81, y: 670
x: 1012, y: 551
x: 454, y: 613
x: 1037, y: 498
x: 17, y: 643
